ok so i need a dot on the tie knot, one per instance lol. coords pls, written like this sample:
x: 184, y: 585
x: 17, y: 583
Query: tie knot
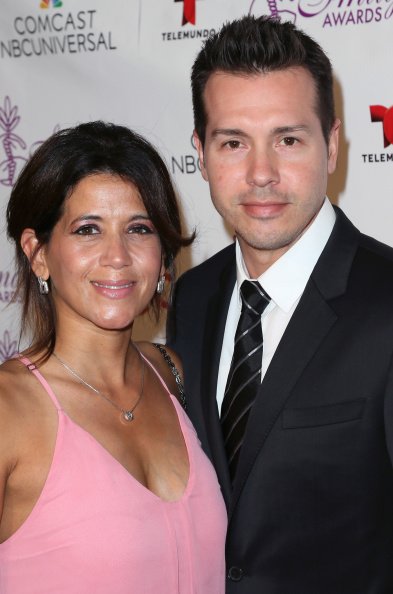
x: 253, y: 297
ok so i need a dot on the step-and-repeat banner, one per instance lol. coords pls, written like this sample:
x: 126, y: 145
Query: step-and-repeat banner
x: 128, y: 61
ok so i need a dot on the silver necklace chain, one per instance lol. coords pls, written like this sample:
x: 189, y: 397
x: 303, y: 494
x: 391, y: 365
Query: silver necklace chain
x: 126, y: 414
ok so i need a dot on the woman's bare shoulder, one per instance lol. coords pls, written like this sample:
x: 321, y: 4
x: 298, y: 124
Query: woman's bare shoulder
x: 12, y: 377
x: 19, y: 390
x: 14, y: 384
x: 17, y: 386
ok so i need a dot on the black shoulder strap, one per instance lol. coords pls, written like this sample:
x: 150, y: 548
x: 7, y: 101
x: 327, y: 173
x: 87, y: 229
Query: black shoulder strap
x: 172, y: 367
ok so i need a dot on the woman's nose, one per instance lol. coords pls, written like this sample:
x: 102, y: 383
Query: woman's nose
x: 116, y: 252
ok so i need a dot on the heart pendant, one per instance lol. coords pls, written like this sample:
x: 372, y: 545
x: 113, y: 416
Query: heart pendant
x: 127, y: 415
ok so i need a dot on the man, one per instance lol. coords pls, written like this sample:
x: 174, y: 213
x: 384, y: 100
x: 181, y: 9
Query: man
x: 304, y: 458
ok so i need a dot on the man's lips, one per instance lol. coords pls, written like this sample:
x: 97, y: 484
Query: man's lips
x: 263, y: 209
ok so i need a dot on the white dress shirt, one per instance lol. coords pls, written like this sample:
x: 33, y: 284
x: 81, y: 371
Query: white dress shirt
x: 284, y: 282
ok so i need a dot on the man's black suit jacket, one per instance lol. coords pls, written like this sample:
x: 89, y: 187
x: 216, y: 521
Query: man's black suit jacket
x: 311, y: 510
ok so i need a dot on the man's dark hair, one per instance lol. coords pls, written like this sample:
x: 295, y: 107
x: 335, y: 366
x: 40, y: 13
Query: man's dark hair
x: 251, y: 46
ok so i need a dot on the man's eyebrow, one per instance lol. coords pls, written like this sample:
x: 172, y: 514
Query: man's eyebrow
x: 291, y: 129
x: 274, y: 131
x: 228, y: 132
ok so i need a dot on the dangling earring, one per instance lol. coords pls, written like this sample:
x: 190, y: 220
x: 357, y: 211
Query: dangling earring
x: 43, y: 285
x: 161, y: 284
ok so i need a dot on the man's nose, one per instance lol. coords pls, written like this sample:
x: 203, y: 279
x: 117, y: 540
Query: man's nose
x: 262, y: 167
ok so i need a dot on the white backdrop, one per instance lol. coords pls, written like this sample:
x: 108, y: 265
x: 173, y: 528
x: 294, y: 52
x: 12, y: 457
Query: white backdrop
x: 128, y: 61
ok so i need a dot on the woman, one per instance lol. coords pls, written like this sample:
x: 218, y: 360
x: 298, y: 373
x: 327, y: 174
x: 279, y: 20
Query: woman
x: 104, y: 487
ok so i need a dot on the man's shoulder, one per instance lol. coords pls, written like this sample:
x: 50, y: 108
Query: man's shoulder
x: 377, y: 249
x: 194, y: 291
x: 373, y: 266
x: 210, y: 268
x: 362, y: 265
x: 367, y: 250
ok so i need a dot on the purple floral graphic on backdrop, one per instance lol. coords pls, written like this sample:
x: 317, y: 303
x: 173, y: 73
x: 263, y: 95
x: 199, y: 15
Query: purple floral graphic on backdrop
x: 9, y: 119
x: 8, y: 347
x: 278, y: 8
x: 12, y: 143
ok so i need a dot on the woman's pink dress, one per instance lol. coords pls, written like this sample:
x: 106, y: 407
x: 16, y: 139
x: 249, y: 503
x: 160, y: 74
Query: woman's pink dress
x: 96, y: 530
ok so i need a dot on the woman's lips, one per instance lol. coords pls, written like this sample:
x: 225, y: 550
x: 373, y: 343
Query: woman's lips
x: 113, y: 289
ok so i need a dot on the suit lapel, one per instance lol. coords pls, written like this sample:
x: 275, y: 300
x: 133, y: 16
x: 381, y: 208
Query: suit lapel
x: 307, y: 328
x: 213, y: 338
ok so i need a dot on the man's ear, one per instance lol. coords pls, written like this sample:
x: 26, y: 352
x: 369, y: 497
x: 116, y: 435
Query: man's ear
x: 333, y: 145
x: 35, y: 253
x: 199, y: 148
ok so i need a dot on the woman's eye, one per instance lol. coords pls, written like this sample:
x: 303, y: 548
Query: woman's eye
x: 140, y: 229
x: 87, y: 230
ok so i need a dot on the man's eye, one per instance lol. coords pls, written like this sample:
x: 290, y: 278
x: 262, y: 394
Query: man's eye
x: 87, y: 230
x: 233, y: 144
x: 289, y: 141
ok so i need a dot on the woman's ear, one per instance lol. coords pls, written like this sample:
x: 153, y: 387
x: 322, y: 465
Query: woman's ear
x: 163, y: 269
x: 35, y: 253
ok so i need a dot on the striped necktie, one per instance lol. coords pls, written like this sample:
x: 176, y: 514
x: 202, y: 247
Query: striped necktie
x: 244, y: 376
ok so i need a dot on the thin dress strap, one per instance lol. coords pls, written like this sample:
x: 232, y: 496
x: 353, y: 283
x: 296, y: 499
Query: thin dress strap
x: 155, y: 371
x: 182, y: 398
x: 31, y: 367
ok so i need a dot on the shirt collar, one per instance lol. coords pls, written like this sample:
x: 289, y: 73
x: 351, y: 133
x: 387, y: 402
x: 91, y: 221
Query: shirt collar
x: 286, y: 279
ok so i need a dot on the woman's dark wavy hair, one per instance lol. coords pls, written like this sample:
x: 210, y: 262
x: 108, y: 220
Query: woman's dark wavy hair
x: 250, y: 46
x: 47, y: 180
